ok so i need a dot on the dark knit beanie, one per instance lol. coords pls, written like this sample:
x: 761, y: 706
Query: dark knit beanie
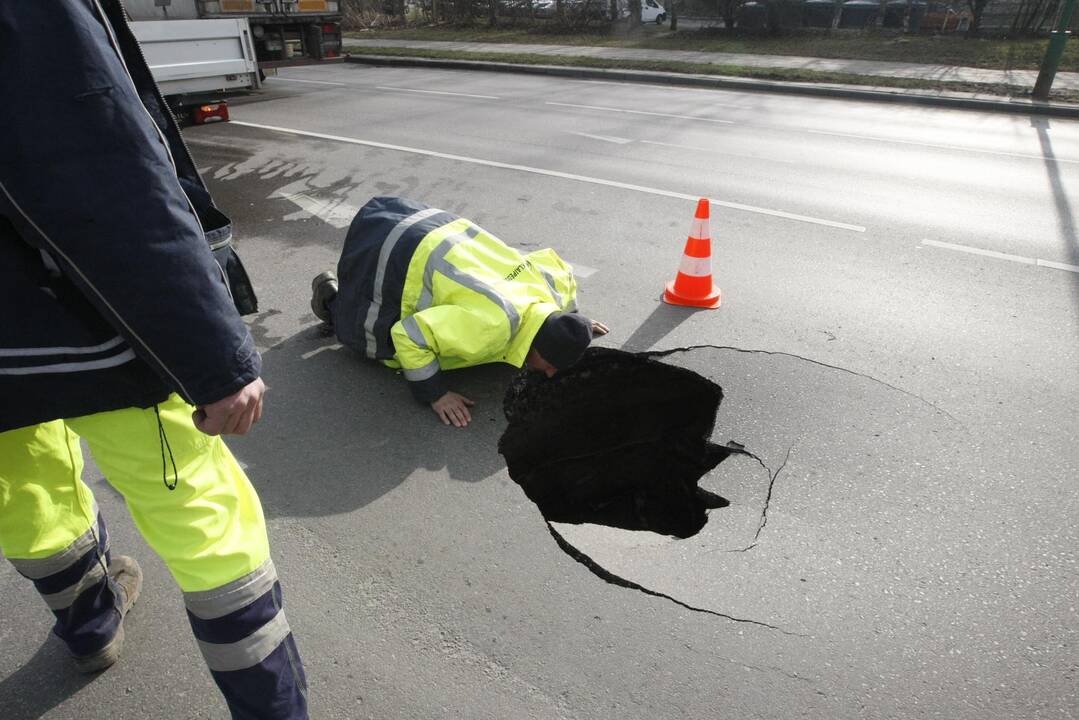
x: 563, y: 338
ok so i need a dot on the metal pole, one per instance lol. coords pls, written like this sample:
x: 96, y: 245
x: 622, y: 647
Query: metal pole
x: 1057, y: 39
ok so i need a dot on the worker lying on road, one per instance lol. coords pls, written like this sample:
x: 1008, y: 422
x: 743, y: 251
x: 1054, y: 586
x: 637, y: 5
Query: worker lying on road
x: 424, y: 290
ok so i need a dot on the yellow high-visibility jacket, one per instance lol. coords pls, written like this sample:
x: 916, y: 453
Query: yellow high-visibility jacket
x: 466, y: 298
x: 474, y: 300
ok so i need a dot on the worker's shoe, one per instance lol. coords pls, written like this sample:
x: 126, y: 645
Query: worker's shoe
x: 127, y: 578
x: 323, y: 290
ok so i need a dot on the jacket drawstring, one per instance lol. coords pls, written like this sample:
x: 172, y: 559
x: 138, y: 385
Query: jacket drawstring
x: 164, y: 440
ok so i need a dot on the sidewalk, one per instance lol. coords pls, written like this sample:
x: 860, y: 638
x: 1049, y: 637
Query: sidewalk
x: 872, y: 68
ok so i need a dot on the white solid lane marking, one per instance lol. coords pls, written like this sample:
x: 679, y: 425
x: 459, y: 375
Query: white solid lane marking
x: 554, y: 174
x: 1021, y: 259
x: 605, y: 138
x: 309, y: 82
x: 437, y: 92
x: 956, y: 148
x: 640, y: 112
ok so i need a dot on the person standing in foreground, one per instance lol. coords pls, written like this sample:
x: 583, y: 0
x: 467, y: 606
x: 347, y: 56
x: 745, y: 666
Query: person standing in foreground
x: 423, y: 290
x: 117, y: 325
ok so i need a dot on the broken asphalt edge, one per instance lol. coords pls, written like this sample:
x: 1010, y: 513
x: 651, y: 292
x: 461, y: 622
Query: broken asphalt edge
x: 603, y: 573
x: 954, y: 101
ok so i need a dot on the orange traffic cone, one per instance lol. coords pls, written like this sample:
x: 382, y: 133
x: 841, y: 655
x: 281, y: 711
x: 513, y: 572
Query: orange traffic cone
x: 693, y: 285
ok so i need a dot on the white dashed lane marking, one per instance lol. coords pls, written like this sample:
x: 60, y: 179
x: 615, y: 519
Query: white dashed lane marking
x: 1021, y: 259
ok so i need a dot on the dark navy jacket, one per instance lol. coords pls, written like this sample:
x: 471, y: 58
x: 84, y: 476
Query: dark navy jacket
x: 110, y: 296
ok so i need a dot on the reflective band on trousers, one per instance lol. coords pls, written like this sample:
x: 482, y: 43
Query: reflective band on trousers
x: 250, y: 651
x: 63, y: 599
x: 427, y: 371
x: 218, y: 602
x: 695, y: 267
x: 43, y: 568
x: 380, y: 273
x: 412, y: 328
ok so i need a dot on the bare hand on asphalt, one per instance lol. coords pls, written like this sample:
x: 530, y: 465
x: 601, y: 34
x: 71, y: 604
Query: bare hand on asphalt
x: 452, y: 409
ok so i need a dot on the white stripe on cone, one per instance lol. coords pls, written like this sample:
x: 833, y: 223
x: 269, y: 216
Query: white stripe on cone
x: 699, y: 229
x: 695, y: 267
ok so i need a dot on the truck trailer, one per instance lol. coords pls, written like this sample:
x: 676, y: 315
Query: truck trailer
x: 284, y: 32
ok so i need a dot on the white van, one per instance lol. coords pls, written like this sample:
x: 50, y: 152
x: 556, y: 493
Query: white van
x: 652, y: 11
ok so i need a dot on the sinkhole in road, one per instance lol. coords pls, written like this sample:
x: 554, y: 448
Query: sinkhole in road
x: 620, y: 440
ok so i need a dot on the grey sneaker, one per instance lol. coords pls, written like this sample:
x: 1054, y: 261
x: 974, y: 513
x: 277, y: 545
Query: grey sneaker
x: 127, y: 574
x: 323, y: 290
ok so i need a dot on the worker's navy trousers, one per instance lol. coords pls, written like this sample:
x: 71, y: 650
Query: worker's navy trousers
x: 209, y: 530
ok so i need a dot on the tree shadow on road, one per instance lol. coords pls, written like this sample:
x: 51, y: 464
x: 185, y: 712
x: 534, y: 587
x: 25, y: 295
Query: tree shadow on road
x: 1065, y: 214
x: 340, y: 431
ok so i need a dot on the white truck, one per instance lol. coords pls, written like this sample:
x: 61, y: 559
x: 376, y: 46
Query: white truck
x: 284, y: 32
x: 197, y: 62
x: 200, y: 50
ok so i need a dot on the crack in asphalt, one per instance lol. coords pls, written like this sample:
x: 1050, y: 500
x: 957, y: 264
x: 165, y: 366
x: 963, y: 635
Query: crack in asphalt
x: 608, y: 576
x: 767, y: 498
x: 688, y: 348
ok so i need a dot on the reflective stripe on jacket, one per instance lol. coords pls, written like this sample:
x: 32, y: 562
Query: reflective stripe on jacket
x: 462, y: 296
x: 109, y: 294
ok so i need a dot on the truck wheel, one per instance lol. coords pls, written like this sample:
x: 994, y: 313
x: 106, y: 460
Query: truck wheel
x: 660, y: 19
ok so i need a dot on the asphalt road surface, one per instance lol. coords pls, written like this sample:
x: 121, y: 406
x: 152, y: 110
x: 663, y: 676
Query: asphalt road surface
x: 897, y: 343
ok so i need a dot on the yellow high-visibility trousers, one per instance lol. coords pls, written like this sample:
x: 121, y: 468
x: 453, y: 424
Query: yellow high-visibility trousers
x: 195, y: 507
x: 209, y: 530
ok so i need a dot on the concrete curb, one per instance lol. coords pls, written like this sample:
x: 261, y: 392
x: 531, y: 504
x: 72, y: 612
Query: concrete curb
x: 889, y: 95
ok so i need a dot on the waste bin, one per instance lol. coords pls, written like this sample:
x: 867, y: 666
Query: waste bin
x: 753, y: 16
x: 917, y: 14
x: 896, y: 9
x: 818, y: 13
x: 859, y: 13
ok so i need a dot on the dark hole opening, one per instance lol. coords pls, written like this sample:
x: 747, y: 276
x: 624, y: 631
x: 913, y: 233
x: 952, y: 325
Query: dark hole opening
x: 619, y: 440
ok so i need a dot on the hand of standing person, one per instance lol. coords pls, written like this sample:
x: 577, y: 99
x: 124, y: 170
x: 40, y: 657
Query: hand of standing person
x: 233, y: 415
x: 452, y: 408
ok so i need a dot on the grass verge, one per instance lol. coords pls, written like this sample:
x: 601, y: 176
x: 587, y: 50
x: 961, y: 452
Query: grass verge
x: 780, y: 74
x: 999, y: 54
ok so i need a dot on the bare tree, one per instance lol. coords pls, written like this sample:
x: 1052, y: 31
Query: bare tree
x: 977, y: 7
x: 728, y: 10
